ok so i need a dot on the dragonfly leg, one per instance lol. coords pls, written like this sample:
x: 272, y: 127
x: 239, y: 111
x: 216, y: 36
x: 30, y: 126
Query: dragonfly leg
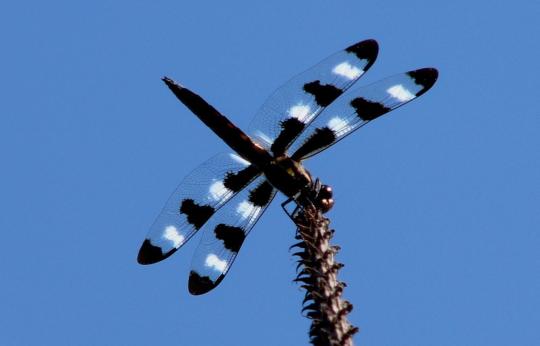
x: 300, y: 199
x: 292, y: 214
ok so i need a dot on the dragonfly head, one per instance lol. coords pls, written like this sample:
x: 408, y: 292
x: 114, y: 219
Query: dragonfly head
x: 324, y: 200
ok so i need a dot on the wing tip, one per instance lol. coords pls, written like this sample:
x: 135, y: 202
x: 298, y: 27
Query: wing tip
x: 366, y: 49
x: 426, y: 77
x: 198, y: 284
x: 150, y: 254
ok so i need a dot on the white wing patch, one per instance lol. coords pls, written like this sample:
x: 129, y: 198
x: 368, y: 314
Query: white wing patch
x: 347, y: 70
x: 339, y: 125
x: 172, y: 234
x: 218, y: 191
x: 264, y: 138
x: 246, y: 209
x: 239, y: 159
x: 213, y: 261
x: 300, y: 112
x: 401, y: 93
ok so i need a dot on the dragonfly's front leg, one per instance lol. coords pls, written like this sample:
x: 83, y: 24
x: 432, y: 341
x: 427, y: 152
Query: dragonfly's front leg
x: 292, y: 215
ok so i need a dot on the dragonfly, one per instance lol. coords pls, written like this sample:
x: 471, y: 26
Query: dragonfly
x: 226, y: 195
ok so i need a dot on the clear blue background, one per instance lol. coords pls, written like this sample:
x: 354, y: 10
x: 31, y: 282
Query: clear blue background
x: 437, y: 204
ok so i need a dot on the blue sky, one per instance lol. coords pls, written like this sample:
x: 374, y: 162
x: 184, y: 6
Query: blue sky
x: 437, y: 204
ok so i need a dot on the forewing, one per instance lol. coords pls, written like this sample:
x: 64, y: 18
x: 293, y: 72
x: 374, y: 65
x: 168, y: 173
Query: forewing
x: 194, y: 201
x: 293, y: 106
x: 363, y: 105
x: 225, y: 233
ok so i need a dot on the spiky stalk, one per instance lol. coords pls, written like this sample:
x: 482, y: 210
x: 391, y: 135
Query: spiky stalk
x: 318, y: 271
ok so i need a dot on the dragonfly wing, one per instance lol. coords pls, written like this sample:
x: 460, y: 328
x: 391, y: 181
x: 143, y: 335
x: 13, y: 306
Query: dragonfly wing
x: 195, y: 200
x: 368, y: 103
x: 294, y: 105
x: 225, y: 233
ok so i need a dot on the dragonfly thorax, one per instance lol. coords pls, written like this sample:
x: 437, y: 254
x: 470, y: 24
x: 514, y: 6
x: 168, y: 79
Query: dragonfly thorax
x: 287, y: 175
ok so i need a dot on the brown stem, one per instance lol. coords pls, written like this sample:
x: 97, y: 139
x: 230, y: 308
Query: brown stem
x: 318, y: 271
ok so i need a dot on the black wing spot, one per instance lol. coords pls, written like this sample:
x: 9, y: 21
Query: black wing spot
x: 261, y: 195
x: 425, y: 77
x: 368, y: 110
x: 367, y: 50
x: 232, y: 237
x: 321, y: 138
x: 237, y: 181
x: 324, y: 94
x: 290, y: 128
x: 201, y: 284
x: 196, y: 214
x: 149, y: 253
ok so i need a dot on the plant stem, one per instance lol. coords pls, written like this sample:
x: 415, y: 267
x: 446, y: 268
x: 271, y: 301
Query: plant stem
x: 323, y: 303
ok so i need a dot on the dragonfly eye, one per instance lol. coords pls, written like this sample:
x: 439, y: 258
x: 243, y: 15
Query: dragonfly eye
x: 326, y: 204
x: 326, y: 192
